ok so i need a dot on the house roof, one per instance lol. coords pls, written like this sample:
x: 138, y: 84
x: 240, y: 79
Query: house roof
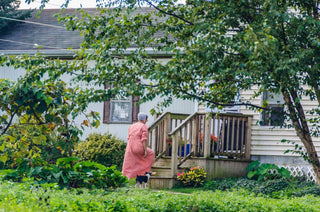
x: 24, y: 37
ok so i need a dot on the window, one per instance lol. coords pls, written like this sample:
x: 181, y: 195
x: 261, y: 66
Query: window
x: 121, y: 110
x: 273, y: 117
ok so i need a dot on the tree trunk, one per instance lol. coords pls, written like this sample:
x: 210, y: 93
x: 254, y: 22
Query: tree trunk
x: 302, y: 130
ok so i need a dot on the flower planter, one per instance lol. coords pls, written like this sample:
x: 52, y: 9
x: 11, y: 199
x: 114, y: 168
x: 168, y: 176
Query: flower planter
x: 184, y: 153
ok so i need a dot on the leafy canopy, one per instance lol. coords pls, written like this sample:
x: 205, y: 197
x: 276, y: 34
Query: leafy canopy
x: 9, y: 9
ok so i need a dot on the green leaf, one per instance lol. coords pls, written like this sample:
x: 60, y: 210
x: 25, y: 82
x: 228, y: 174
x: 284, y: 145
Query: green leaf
x: 284, y: 172
x: 252, y: 166
x: 251, y: 174
x: 39, y: 139
x: 42, y: 107
x: 4, y: 158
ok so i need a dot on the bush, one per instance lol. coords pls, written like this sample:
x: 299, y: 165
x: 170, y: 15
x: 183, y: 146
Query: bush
x: 30, y: 141
x: 69, y: 172
x: 193, y: 178
x: 105, y: 149
x: 98, y: 175
x: 266, y: 171
x: 24, y: 140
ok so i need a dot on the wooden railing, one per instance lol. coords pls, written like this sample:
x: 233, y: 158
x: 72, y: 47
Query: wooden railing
x: 158, y: 138
x: 214, y: 135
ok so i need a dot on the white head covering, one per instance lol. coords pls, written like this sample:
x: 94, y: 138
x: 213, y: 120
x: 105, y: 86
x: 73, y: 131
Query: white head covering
x: 142, y: 116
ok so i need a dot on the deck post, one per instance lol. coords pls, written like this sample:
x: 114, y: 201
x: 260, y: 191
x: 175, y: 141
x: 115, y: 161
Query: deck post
x: 206, y: 140
x: 194, y: 136
x: 165, y: 132
x: 174, y: 155
x: 248, y: 139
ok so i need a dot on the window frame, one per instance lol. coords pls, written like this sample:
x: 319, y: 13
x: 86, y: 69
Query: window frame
x: 270, y: 118
x: 134, y: 110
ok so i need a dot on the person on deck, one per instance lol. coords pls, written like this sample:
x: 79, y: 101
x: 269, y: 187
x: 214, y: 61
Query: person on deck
x: 138, y: 158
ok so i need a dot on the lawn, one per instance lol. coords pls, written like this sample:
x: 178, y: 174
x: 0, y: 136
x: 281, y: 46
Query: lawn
x: 29, y: 197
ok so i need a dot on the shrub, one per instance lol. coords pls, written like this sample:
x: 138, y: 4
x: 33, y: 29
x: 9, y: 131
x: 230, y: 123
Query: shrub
x: 105, y: 149
x: 266, y: 171
x: 69, y: 172
x: 98, y: 175
x: 193, y: 178
x: 32, y: 141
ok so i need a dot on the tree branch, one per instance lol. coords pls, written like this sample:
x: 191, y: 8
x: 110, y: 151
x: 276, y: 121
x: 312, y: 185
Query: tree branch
x: 317, y: 91
x: 36, y: 116
x: 170, y: 14
x: 222, y: 104
x: 10, y: 122
x: 315, y: 10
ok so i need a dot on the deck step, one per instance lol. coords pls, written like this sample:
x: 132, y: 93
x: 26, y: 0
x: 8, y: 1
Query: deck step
x: 163, y: 163
x: 161, y: 182
x: 165, y: 177
x: 161, y: 172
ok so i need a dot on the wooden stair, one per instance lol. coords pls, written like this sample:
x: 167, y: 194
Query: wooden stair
x: 163, y: 177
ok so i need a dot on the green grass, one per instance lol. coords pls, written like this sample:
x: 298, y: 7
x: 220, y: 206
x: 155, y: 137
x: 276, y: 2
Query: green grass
x: 27, y: 197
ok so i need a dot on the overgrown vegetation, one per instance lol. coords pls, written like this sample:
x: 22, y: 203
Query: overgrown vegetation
x: 230, y: 194
x: 70, y: 173
x: 43, y: 158
x: 102, y: 148
x: 27, y: 197
x: 26, y: 141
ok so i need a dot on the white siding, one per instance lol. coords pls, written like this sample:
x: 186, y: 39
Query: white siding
x: 11, y: 73
x: 265, y: 140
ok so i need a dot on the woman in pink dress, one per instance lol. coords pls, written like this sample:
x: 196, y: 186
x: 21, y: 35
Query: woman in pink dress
x: 138, y: 158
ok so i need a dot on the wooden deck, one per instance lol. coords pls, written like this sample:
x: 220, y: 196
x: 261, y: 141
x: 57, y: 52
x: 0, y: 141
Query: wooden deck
x: 206, y: 140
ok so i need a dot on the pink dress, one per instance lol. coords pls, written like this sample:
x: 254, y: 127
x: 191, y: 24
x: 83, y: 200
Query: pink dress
x: 134, y: 161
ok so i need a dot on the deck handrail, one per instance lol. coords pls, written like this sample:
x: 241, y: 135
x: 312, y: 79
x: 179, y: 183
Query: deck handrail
x: 158, y: 120
x: 184, y: 122
x: 203, y: 113
x: 159, y: 129
x: 162, y: 116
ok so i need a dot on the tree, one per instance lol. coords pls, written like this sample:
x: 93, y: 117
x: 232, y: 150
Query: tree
x: 38, y: 111
x: 217, y: 48
x: 9, y: 9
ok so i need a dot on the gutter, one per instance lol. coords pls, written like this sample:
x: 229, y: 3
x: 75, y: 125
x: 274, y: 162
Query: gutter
x: 72, y: 53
